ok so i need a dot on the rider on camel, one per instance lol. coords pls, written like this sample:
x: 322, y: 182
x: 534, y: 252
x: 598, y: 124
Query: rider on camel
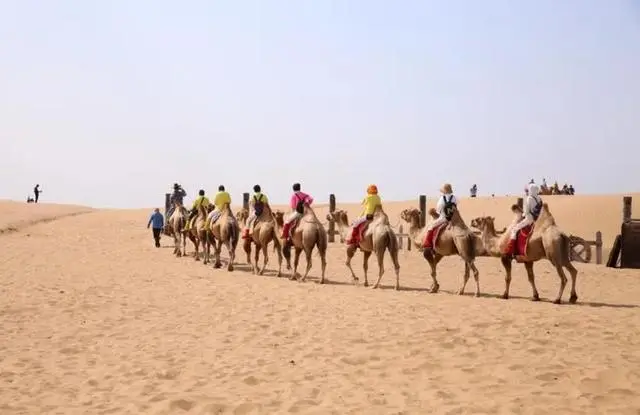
x: 444, y: 208
x: 532, y: 208
x: 257, y: 202
x: 297, y: 203
x: 201, y: 200
x: 370, y: 202
x: 222, y: 197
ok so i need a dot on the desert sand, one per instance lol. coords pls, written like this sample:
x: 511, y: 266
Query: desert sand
x: 95, y: 319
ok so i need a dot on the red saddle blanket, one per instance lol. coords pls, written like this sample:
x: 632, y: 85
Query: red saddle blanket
x: 359, y: 230
x: 434, y: 235
x: 522, y: 240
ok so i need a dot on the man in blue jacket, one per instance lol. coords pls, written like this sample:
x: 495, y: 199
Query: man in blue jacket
x: 156, y: 221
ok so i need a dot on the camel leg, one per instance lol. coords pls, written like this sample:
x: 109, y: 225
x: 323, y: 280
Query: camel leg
x: 307, y: 253
x: 396, y: 266
x: 323, y: 263
x: 574, y: 276
x: 265, y: 261
x: 218, y: 250
x: 432, y: 259
x: 206, y: 247
x: 232, y: 255
x: 278, y: 249
x: 247, y: 249
x: 532, y: 280
x: 256, y: 256
x: 296, y: 261
x: 184, y: 244
x: 563, y: 283
x: 506, y: 263
x: 465, y: 278
x: 380, y: 258
x: 476, y: 276
x: 365, y: 266
x: 351, y: 251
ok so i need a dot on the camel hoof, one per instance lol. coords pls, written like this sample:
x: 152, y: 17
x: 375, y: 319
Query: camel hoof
x: 573, y: 299
x: 460, y: 292
x: 557, y: 301
x: 535, y: 298
x: 366, y: 284
x: 230, y: 268
x: 477, y: 295
x: 374, y: 287
x: 434, y: 289
x: 320, y: 282
x: 397, y: 288
x: 505, y: 296
x: 218, y: 265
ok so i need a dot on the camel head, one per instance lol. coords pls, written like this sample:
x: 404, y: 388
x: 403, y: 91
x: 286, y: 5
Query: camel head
x: 339, y: 216
x: 410, y: 215
x: 516, y: 209
x: 433, y: 213
x: 484, y: 223
x: 278, y: 216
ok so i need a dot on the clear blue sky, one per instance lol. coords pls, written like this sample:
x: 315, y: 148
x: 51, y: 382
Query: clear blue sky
x: 108, y: 103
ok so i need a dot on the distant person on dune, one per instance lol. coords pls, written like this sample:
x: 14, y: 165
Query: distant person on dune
x: 474, y: 190
x: 36, y: 193
x: 156, y: 221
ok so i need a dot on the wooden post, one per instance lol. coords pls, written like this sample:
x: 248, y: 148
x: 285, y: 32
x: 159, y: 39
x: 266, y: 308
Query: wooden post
x: 598, y: 247
x: 423, y: 210
x: 626, y: 209
x: 332, y: 223
x: 520, y: 203
x: 167, y: 205
x: 400, y: 238
x: 245, y: 201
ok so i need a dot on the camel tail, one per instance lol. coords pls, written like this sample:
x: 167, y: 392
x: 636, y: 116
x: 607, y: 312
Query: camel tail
x: 392, y: 247
x: 321, y: 242
x: 565, y: 249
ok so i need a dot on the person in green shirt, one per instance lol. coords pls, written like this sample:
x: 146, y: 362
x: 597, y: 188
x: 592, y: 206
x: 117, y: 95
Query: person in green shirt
x: 256, y: 206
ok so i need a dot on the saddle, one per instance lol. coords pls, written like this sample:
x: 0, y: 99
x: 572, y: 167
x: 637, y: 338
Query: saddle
x: 522, y: 242
x: 435, y: 234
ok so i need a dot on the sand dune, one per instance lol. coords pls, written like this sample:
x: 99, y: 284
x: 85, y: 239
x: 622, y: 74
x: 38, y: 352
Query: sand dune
x: 94, y: 319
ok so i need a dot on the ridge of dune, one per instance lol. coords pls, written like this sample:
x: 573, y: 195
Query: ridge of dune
x: 16, y: 216
x: 94, y: 319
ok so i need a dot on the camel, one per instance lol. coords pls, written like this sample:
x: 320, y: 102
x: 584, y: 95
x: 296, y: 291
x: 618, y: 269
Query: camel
x: 176, y: 224
x: 242, y: 215
x: 340, y: 218
x: 454, y: 238
x: 197, y: 233
x: 546, y: 241
x: 225, y: 231
x: 264, y: 231
x: 306, y: 235
x: 377, y: 238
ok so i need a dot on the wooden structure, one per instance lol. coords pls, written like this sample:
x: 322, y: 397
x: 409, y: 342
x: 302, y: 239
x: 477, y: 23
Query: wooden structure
x: 626, y: 248
x: 580, y: 247
x: 422, y: 203
x: 167, y: 206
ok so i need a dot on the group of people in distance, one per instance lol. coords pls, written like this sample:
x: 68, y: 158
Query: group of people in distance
x: 445, y: 208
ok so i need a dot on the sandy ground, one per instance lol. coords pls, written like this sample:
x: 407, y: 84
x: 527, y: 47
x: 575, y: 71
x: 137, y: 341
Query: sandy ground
x: 94, y: 319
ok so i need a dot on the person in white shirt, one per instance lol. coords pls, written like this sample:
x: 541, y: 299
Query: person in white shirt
x: 531, y: 210
x: 445, y: 208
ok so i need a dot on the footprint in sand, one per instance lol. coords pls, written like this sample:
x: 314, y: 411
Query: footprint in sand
x: 251, y: 380
x: 181, y: 404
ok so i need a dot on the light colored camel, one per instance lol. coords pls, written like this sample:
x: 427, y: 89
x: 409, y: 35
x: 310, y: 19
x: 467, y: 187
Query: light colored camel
x: 264, y: 231
x: 242, y: 216
x: 307, y: 234
x: 225, y: 231
x: 454, y: 239
x: 197, y: 232
x: 176, y: 224
x: 341, y: 221
x: 546, y: 241
x: 378, y: 237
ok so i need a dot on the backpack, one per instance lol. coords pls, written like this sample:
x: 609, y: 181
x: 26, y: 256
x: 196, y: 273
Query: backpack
x: 535, y: 212
x: 300, y: 204
x: 449, y: 207
x: 258, y: 205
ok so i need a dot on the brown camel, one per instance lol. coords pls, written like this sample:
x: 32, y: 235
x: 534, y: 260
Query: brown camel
x: 197, y: 232
x: 341, y: 220
x: 546, y: 241
x: 225, y: 231
x: 176, y: 224
x: 264, y: 231
x: 455, y: 238
x: 242, y: 216
x: 378, y: 237
x: 306, y: 235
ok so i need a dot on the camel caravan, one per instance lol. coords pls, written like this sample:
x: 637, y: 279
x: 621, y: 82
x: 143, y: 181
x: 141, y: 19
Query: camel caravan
x: 531, y: 236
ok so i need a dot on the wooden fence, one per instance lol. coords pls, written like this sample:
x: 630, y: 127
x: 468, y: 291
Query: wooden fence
x: 625, y: 252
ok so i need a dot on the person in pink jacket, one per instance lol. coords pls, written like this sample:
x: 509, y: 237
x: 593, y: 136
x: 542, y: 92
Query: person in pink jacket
x: 298, y: 201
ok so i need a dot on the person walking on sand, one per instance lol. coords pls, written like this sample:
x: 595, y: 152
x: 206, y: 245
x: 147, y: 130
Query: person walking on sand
x: 36, y: 192
x: 156, y: 221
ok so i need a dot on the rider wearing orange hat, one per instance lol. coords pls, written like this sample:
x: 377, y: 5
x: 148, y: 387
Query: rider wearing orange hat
x: 369, y: 203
